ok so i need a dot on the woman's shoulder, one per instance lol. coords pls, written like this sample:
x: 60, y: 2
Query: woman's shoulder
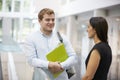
x: 101, y: 44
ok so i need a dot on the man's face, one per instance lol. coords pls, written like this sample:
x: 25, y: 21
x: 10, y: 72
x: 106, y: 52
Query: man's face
x: 47, y: 23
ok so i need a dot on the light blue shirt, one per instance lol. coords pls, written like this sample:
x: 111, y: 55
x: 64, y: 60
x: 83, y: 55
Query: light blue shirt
x: 38, y: 45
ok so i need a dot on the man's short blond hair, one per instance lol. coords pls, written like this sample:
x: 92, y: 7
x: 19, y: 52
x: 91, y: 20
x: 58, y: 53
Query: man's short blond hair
x: 45, y: 11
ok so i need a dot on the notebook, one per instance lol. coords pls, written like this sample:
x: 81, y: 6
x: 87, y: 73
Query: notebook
x: 58, y: 54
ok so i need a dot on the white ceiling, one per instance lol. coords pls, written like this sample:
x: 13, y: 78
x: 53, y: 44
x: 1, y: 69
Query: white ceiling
x: 53, y: 4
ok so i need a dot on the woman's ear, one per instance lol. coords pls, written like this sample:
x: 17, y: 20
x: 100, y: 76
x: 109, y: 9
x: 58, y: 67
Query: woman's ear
x: 94, y: 30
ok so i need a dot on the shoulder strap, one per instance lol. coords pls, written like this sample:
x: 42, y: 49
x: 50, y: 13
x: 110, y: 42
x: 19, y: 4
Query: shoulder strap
x: 60, y: 38
x: 36, y: 52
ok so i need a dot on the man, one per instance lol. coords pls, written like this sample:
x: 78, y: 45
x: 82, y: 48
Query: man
x: 40, y: 43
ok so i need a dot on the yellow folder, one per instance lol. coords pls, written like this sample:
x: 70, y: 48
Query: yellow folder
x: 58, y: 54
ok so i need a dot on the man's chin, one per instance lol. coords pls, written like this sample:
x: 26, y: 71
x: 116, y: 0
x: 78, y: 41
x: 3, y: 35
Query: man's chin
x: 50, y: 31
x: 90, y: 37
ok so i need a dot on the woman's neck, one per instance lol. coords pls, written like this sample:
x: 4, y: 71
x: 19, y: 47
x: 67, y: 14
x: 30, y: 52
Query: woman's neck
x: 96, y: 40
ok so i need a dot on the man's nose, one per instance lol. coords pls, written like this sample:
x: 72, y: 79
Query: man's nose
x: 51, y: 21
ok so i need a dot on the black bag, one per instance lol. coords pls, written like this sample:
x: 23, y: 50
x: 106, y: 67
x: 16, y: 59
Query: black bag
x: 70, y: 71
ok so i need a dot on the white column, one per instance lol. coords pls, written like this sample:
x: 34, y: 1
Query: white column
x: 100, y: 12
x: 20, y: 30
x: 32, y: 8
x: 69, y: 26
x: 71, y: 30
x: 114, y: 46
x: 56, y: 28
x: 21, y: 20
x: 6, y: 28
x: 3, y: 5
x: 21, y: 5
x: 68, y: 1
x: 12, y: 6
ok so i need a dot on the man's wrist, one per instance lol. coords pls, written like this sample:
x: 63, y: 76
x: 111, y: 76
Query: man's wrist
x: 61, y: 66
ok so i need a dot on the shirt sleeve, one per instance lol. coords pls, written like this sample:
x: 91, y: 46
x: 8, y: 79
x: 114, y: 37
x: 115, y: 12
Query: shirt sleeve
x: 71, y: 53
x: 31, y: 54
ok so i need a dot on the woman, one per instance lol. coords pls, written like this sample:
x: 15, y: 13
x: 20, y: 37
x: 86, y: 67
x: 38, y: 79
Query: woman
x: 100, y: 57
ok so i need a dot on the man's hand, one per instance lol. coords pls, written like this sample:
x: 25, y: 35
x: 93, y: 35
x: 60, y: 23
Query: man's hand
x: 55, y: 67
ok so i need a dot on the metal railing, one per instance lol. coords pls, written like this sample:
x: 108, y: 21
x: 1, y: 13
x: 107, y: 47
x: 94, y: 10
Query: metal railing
x: 1, y: 73
x: 11, y: 68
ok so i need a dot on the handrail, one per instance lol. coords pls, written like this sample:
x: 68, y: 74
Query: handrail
x: 1, y: 75
x: 11, y: 68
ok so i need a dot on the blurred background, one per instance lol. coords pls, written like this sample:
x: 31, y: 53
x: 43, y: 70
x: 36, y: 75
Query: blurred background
x: 18, y: 18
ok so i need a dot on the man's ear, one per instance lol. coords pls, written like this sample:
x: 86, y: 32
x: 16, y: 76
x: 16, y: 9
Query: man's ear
x: 39, y: 20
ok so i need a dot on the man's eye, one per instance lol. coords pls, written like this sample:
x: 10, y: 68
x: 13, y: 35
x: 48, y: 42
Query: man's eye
x: 53, y: 20
x: 50, y: 20
x: 47, y: 19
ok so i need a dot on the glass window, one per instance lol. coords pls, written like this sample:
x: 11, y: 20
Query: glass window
x: 17, y: 6
x: 26, y: 6
x: 15, y: 28
x: 0, y: 29
x: 8, y: 5
x: 27, y: 27
x: 0, y: 5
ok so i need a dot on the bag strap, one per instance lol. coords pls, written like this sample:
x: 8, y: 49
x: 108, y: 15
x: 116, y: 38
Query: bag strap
x: 60, y: 38
x: 36, y: 52
x: 70, y: 72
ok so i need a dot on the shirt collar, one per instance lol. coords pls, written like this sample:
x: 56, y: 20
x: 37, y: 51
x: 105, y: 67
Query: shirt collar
x: 45, y: 34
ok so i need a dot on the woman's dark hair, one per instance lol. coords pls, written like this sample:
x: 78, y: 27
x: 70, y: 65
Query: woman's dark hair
x: 101, y: 26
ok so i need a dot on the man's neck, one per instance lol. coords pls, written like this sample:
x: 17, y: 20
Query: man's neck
x: 48, y: 33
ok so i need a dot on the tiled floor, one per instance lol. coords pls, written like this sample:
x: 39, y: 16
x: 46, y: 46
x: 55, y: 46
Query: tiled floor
x: 113, y: 73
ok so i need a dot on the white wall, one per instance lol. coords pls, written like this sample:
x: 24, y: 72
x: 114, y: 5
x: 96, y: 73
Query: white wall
x: 78, y: 6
